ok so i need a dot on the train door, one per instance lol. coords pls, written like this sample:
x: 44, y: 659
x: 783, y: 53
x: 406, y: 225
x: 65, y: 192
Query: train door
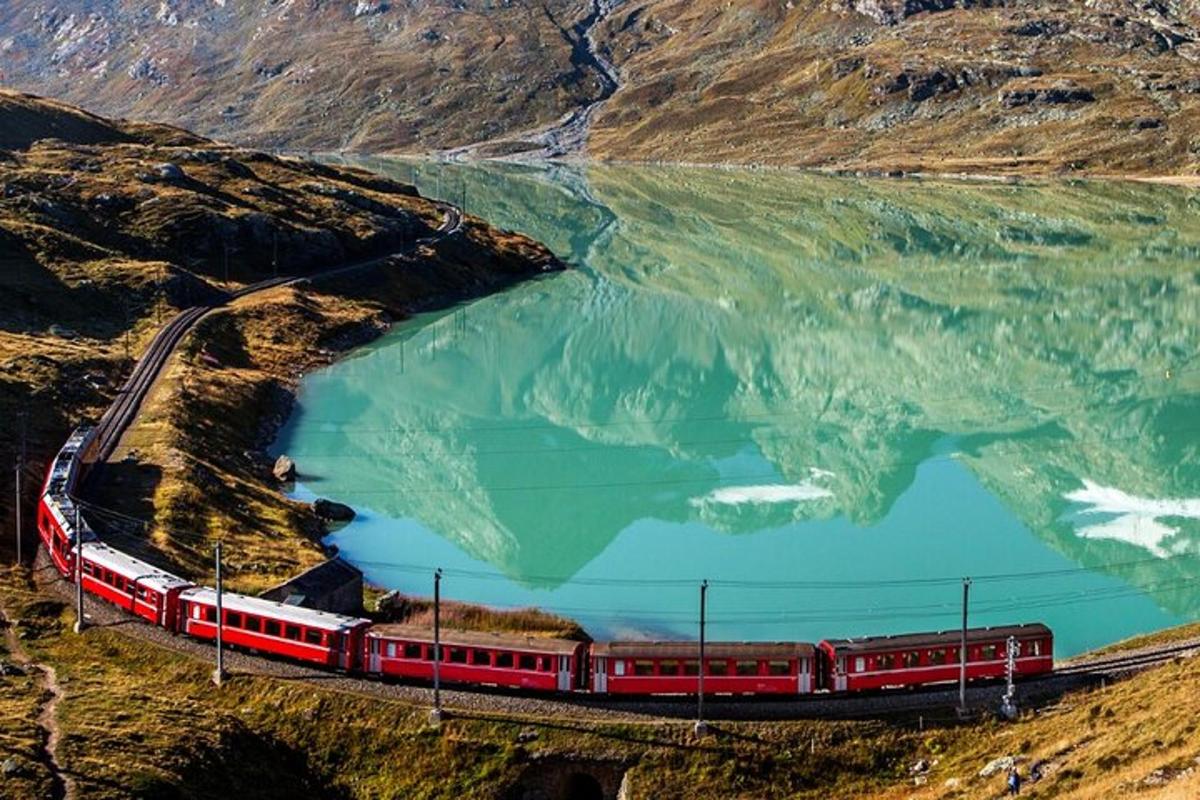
x: 564, y: 673
x: 374, y: 661
x: 839, y: 674
x: 805, y: 681
x: 600, y: 675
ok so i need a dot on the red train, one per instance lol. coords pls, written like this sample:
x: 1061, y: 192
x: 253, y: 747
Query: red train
x: 536, y: 664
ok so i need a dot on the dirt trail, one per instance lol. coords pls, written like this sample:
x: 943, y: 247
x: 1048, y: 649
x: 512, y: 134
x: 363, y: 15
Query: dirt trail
x: 63, y: 784
x: 566, y: 137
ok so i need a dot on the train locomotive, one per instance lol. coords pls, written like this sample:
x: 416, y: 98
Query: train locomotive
x: 534, y: 664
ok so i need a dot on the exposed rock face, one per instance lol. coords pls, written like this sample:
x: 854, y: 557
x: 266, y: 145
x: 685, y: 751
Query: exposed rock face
x: 892, y: 12
x: 332, y: 511
x: 284, y: 469
x: 1049, y: 95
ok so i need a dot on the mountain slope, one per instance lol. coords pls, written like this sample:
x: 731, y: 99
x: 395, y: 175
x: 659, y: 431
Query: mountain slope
x: 305, y: 74
x: 1006, y: 86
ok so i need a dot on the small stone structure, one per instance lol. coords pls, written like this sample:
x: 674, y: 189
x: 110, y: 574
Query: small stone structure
x: 336, y: 586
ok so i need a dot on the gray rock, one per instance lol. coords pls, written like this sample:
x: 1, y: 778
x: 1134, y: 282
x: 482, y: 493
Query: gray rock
x: 10, y: 767
x: 1146, y: 123
x: 332, y: 511
x: 284, y: 469
x: 170, y: 172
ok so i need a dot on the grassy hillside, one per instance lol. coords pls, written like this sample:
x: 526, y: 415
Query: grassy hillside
x: 139, y: 721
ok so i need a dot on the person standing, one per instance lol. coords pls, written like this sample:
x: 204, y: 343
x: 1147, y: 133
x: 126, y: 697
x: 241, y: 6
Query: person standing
x: 1014, y: 782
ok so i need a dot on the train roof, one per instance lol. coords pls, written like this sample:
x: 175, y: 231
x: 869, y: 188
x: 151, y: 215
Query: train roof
x: 244, y: 604
x: 62, y: 509
x: 906, y: 641
x: 132, y: 568
x: 498, y: 641
x: 65, y: 465
x: 711, y: 649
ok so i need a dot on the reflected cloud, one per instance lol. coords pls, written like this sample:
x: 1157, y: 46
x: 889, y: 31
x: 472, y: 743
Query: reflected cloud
x: 1136, y: 520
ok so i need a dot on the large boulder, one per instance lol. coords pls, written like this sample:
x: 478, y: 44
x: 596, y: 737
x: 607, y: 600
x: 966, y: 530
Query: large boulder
x: 332, y: 511
x: 284, y: 469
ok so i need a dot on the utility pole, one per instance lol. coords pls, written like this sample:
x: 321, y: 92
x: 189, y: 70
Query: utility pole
x: 1007, y: 707
x: 219, y: 673
x: 701, y: 728
x: 435, y: 716
x: 78, y: 569
x: 17, y: 482
x: 962, y: 650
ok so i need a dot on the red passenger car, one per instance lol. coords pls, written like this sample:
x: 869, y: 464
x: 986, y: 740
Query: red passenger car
x: 523, y: 662
x: 729, y: 668
x: 301, y: 634
x: 913, y: 659
x: 132, y: 584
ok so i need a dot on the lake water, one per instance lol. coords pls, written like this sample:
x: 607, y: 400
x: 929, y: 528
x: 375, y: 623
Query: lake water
x: 831, y: 398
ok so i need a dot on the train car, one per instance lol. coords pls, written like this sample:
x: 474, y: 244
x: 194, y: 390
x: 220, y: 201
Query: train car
x: 56, y: 513
x: 131, y: 584
x: 729, y: 668
x: 301, y: 634
x: 492, y: 659
x: 56, y: 519
x: 878, y: 662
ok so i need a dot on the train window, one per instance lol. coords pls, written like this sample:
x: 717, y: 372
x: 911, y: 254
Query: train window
x: 718, y: 667
x: 390, y: 650
x: 271, y: 627
x: 860, y: 664
x: 544, y: 664
x: 911, y: 659
x: 210, y: 614
x: 747, y: 668
x: 504, y: 660
x: 937, y: 656
x: 196, y: 611
x: 312, y: 636
x: 458, y: 655
x: 885, y: 661
x: 253, y: 624
x: 779, y: 668
x: 411, y: 650
x: 481, y: 658
x: 233, y: 619
x: 292, y: 632
x: 643, y: 668
x: 691, y: 667
x: 668, y: 668
x: 988, y: 652
x: 527, y: 662
x: 1035, y: 648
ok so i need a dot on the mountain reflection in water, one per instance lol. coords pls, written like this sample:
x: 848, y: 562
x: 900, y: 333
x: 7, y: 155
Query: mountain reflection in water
x: 773, y: 378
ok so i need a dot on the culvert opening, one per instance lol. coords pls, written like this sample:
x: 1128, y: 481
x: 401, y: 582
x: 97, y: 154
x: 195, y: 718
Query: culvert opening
x: 581, y: 786
x: 559, y: 778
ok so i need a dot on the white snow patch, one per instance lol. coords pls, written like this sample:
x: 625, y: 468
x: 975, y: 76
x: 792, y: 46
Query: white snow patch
x: 764, y: 494
x: 1135, y: 520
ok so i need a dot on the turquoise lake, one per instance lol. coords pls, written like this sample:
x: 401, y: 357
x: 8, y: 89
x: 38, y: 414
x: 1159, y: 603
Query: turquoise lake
x: 832, y: 398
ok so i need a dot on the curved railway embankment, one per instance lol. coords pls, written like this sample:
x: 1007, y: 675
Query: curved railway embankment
x: 931, y: 704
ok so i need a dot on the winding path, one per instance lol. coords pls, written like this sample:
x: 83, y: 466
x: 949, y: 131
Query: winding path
x: 62, y: 785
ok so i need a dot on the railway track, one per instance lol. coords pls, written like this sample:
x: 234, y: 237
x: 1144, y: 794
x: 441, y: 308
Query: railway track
x: 124, y: 410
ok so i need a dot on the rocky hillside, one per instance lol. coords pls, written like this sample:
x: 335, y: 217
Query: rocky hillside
x: 972, y: 85
x: 304, y: 74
